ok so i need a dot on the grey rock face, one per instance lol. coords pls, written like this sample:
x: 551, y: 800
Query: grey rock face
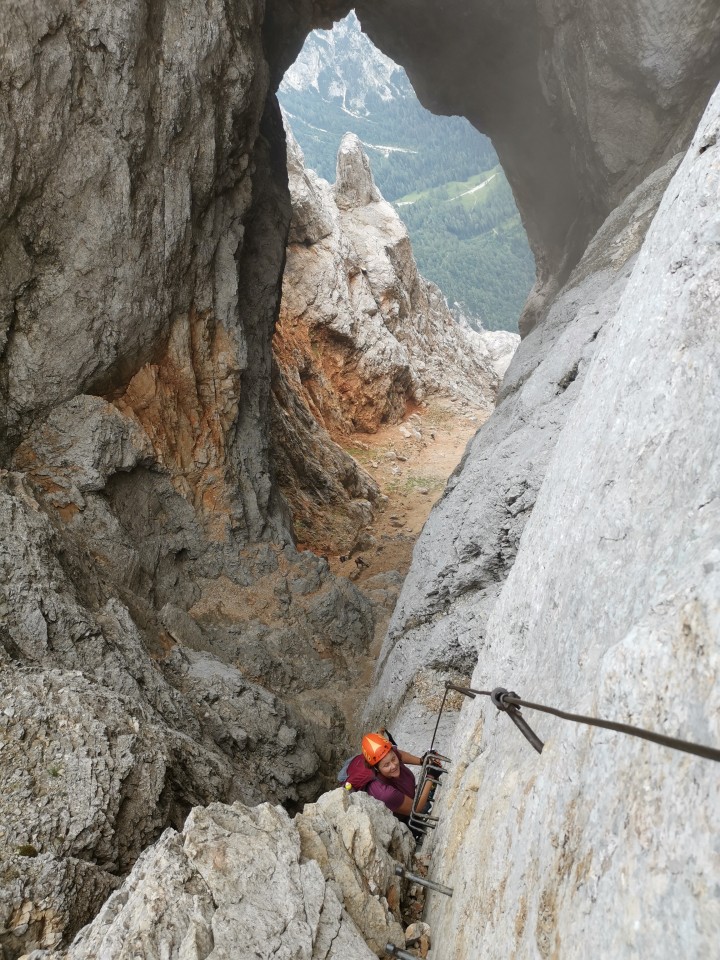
x: 358, y: 843
x: 237, y: 883
x: 470, y: 540
x: 313, y: 215
x: 82, y: 776
x: 112, y: 212
x: 606, y: 842
x: 118, y: 718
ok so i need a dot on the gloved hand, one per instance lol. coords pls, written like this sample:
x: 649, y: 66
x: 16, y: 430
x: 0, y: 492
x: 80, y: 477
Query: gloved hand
x: 433, y: 775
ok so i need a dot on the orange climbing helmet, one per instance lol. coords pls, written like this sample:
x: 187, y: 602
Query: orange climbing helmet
x: 375, y: 747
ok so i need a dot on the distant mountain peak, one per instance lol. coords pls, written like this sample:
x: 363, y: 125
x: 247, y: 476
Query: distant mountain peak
x: 344, y: 65
x: 354, y: 184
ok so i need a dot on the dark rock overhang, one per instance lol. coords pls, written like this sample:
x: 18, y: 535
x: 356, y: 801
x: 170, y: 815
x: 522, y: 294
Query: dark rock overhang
x: 582, y: 101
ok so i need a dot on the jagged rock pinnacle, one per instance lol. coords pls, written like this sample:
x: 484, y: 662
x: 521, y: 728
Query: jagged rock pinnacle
x: 354, y: 184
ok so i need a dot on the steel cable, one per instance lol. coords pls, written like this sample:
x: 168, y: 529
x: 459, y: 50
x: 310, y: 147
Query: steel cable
x: 511, y: 702
x: 675, y: 743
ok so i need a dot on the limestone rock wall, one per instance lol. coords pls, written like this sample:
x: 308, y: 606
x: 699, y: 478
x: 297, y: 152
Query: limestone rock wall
x: 604, y: 842
x: 470, y: 541
x: 151, y: 595
x: 242, y: 881
x: 156, y: 620
x: 114, y: 218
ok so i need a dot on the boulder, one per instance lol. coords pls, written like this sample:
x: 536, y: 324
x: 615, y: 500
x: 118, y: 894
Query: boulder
x: 358, y: 843
x: 236, y: 882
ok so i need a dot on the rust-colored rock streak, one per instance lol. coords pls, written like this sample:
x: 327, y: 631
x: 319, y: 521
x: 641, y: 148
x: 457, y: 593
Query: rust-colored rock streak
x: 324, y: 368
x: 187, y: 402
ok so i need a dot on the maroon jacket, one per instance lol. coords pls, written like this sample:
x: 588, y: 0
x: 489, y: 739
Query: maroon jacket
x: 391, y: 792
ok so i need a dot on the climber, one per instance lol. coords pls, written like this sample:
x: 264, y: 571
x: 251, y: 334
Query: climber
x: 381, y: 771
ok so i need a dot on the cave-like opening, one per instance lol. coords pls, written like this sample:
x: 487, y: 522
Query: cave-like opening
x: 442, y: 176
x: 575, y: 121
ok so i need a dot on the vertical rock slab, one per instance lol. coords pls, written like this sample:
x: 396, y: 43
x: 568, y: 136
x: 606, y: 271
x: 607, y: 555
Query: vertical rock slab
x: 470, y: 541
x: 611, y: 609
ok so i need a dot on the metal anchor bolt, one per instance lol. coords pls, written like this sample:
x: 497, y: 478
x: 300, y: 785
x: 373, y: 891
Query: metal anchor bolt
x: 394, y: 951
x: 400, y: 871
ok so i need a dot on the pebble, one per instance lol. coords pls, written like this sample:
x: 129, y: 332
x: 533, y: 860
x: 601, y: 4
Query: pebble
x: 415, y: 931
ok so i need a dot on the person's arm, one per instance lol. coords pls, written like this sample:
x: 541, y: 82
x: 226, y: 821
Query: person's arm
x: 406, y: 806
x: 411, y: 758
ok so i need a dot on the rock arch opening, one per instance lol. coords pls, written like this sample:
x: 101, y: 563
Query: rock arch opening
x: 367, y: 352
x: 567, y: 93
x: 442, y: 176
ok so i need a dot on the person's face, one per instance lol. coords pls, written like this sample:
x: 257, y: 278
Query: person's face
x: 389, y: 766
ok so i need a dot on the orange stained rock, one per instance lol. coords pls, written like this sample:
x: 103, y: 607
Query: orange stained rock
x: 187, y: 402
x: 324, y: 369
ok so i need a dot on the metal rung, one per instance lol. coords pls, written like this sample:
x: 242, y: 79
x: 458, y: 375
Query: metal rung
x: 433, y: 764
x: 400, y: 871
x: 392, y: 951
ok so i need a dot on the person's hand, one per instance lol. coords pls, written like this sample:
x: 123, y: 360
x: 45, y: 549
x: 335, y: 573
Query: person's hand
x: 432, y: 754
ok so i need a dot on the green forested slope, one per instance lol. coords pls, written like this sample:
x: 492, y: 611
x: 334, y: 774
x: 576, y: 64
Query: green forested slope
x: 468, y: 239
x: 409, y: 147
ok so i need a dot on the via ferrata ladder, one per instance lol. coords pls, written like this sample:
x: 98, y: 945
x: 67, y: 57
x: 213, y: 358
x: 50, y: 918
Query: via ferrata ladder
x: 433, y: 766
